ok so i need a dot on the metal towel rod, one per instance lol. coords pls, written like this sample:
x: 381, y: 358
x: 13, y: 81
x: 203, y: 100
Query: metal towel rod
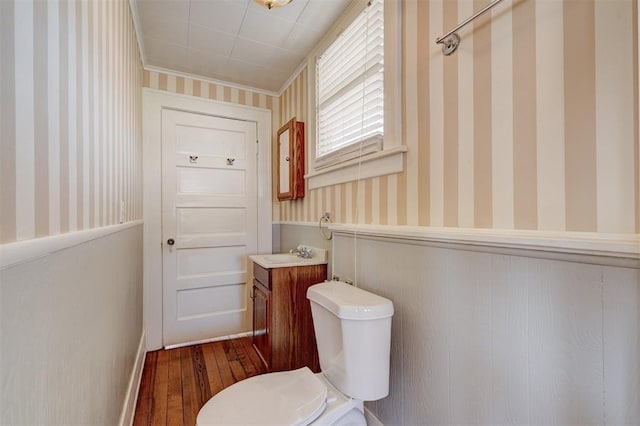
x: 450, y: 40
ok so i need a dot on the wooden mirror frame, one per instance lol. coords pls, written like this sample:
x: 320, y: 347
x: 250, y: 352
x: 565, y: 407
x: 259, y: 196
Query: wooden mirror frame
x: 295, y: 155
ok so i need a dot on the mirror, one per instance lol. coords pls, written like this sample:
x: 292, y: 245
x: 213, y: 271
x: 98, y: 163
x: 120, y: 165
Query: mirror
x: 284, y: 190
x: 290, y: 168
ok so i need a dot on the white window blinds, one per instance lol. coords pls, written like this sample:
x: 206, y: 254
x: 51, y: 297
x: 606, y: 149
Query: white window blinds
x: 350, y: 88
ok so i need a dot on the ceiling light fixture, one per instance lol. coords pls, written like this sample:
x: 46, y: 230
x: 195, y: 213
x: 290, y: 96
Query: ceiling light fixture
x: 272, y: 4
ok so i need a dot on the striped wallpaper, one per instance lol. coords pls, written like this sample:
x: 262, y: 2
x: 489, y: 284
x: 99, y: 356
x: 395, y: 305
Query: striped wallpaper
x: 203, y: 89
x: 70, y: 117
x: 510, y: 132
x: 293, y: 103
x: 532, y: 124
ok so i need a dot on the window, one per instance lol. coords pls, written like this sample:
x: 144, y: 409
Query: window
x: 354, y: 88
x: 350, y: 90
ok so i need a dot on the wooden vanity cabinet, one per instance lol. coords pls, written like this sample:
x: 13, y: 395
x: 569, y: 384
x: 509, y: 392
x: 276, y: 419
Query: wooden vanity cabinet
x: 282, y: 324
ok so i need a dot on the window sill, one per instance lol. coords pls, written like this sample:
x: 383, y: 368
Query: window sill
x: 381, y: 163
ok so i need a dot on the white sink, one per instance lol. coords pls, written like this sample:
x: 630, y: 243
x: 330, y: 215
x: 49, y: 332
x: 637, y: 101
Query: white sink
x: 282, y: 258
x: 286, y: 260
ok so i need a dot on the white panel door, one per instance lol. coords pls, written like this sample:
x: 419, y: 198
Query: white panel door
x: 209, y: 224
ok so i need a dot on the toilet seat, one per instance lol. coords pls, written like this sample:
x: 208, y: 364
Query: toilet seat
x: 294, y: 397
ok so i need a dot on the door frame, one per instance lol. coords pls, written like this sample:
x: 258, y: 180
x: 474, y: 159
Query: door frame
x: 154, y: 101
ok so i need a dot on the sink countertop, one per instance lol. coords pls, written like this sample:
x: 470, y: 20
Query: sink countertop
x: 286, y: 260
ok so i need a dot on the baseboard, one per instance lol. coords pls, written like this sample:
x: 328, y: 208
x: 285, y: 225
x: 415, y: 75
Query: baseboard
x: 129, y: 406
x: 215, y: 339
x: 372, y: 420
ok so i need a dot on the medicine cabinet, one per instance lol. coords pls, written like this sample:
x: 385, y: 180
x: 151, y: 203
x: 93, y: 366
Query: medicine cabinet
x: 290, y: 167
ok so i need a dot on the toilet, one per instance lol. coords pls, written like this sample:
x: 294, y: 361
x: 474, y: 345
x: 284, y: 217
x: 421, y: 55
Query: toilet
x: 353, y: 333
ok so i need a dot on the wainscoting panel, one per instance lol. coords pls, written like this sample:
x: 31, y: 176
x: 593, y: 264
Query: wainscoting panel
x: 621, y: 304
x: 70, y: 328
x: 492, y: 338
x: 509, y: 303
x: 565, y: 343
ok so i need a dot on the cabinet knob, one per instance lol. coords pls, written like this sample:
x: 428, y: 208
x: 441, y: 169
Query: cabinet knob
x: 171, y: 241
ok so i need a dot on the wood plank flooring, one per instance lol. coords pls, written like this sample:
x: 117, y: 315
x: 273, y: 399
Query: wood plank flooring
x: 177, y: 382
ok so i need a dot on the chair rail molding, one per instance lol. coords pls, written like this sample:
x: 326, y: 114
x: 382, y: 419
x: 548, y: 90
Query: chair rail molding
x: 614, y: 247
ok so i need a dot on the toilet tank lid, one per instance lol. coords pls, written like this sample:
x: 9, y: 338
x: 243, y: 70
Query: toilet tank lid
x: 349, y: 302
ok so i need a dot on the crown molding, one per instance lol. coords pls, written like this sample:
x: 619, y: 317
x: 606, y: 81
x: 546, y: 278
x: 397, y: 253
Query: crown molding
x: 293, y: 76
x: 137, y: 27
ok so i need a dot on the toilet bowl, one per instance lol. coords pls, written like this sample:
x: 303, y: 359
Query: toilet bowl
x: 353, y: 333
x: 297, y: 397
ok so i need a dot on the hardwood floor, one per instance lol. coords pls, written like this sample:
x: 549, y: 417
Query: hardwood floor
x: 177, y: 382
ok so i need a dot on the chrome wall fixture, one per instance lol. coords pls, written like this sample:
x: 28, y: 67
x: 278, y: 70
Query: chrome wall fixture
x: 451, y: 40
x: 326, y: 218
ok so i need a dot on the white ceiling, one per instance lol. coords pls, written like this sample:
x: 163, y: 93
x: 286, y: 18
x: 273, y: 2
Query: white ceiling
x: 235, y: 41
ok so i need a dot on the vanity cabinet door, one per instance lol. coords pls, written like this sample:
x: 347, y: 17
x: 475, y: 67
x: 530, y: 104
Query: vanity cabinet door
x: 283, y: 332
x: 262, y: 322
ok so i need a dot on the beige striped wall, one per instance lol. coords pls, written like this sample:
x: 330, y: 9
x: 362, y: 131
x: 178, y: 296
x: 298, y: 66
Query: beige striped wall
x: 510, y: 132
x: 531, y: 124
x: 293, y: 103
x: 203, y: 89
x: 70, y: 117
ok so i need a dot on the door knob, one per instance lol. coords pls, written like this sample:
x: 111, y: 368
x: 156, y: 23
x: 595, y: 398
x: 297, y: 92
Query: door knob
x: 170, y: 241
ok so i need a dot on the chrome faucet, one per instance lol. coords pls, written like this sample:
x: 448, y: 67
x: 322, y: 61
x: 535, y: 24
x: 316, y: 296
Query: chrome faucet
x: 302, y: 251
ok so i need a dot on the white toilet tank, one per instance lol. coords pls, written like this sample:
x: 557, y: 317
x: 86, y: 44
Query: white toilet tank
x: 353, y: 332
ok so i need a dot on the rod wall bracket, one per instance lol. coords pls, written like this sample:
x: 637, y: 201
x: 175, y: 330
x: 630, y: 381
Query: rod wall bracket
x: 450, y: 44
